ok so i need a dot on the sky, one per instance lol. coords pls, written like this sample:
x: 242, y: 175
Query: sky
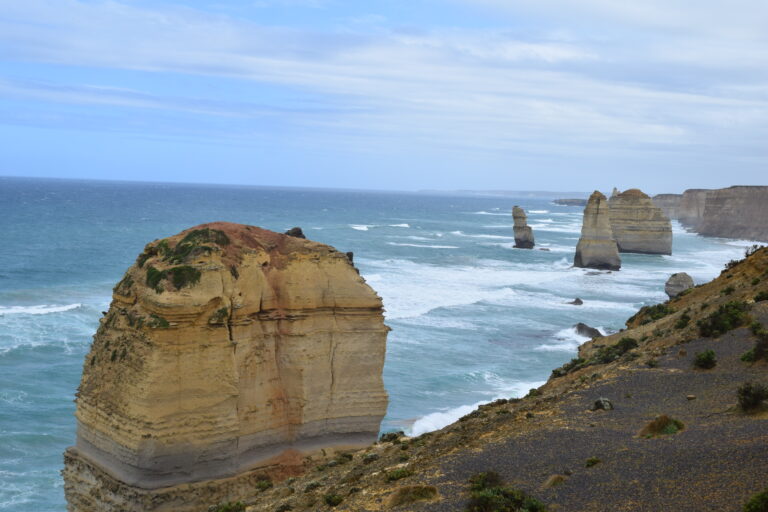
x: 388, y: 94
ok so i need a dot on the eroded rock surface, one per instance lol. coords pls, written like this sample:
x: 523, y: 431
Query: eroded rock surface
x: 669, y: 204
x: 736, y: 212
x: 597, y: 248
x: 638, y: 225
x: 226, y: 349
x: 677, y: 284
x: 691, y: 209
x: 523, y: 232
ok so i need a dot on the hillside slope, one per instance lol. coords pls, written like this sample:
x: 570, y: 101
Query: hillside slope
x: 711, y: 455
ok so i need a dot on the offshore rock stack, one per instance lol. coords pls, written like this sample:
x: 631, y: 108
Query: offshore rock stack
x: 597, y: 248
x: 228, y: 352
x: 638, y: 225
x: 523, y: 232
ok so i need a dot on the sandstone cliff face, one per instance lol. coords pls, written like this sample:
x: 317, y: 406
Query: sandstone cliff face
x: 669, y: 204
x: 736, y: 212
x: 597, y: 247
x: 523, y: 232
x: 691, y: 209
x: 227, y: 348
x: 638, y: 225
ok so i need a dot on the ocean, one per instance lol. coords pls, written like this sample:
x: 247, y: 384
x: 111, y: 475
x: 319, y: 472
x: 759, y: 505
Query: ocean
x: 472, y: 318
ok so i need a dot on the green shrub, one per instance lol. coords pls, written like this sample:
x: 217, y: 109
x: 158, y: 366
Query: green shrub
x: 755, y: 281
x: 495, y: 498
x: 663, y: 425
x: 398, y: 474
x: 727, y: 291
x: 484, y: 480
x: 749, y: 356
x: 311, y: 486
x: 751, y: 395
x: 613, y: 352
x: 568, y: 367
x: 411, y: 494
x: 727, y: 317
x: 683, y: 321
x: 657, y: 312
x: 761, y: 296
x: 263, y: 485
x: 757, y: 503
x: 158, y: 322
x: 592, y: 461
x: 705, y: 360
x: 154, y: 277
x: 193, y: 244
x: 332, y: 500
x: 232, y: 506
x: 184, y: 276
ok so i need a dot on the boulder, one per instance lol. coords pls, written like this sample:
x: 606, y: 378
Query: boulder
x: 597, y: 248
x: 677, y: 284
x: 228, y: 351
x: 576, y: 302
x: 523, y: 232
x: 602, y: 404
x: 295, y: 232
x: 585, y: 330
x: 638, y: 225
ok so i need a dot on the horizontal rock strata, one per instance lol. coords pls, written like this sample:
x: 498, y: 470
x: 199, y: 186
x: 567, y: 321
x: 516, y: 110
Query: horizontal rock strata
x: 523, y: 232
x: 638, y: 225
x: 669, y: 204
x: 597, y: 248
x: 691, y: 209
x: 225, y: 348
x: 736, y: 212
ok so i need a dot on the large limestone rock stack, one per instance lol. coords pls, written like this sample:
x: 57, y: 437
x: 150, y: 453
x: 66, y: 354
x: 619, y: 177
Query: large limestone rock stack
x: 669, y: 204
x: 227, y: 351
x: 597, y: 247
x: 523, y: 232
x: 638, y: 225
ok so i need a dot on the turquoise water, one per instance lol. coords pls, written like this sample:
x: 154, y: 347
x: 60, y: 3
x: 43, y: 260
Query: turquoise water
x: 473, y: 319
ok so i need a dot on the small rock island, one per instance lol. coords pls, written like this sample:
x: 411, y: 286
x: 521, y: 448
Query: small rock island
x: 523, y: 232
x: 228, y: 351
x: 597, y: 248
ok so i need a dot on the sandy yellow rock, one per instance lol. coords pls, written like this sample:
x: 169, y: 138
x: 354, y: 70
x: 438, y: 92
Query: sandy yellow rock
x: 597, y: 247
x: 225, y: 348
x: 638, y: 225
x: 523, y: 232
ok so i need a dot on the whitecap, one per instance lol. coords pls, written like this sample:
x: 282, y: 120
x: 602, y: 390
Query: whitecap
x: 399, y: 225
x: 36, y: 310
x: 360, y: 227
x: 489, y: 213
x: 538, y: 211
x: 424, y: 245
x: 568, y: 340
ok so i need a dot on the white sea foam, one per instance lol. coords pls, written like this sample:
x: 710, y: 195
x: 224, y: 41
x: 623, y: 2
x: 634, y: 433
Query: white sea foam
x: 360, y: 227
x: 538, y: 211
x: 36, y: 310
x: 399, y: 225
x: 493, y: 237
x: 439, y: 419
x: 424, y: 245
x: 567, y: 340
x: 490, y: 213
x: 557, y: 228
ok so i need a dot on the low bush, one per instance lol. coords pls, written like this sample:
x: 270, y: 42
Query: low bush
x: 727, y: 317
x: 757, y: 503
x: 412, y: 494
x: 398, y: 474
x: 663, y: 425
x: 232, y: 506
x: 264, y: 484
x: 751, y: 395
x: 727, y: 291
x: 705, y: 360
x: 683, y: 321
x: 311, y: 486
x: 761, y: 296
x: 656, y: 312
x: 488, y: 495
x: 592, y: 461
x: 615, y: 351
x: 332, y: 500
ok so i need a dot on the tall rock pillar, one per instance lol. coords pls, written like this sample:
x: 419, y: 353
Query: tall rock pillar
x: 597, y: 247
x: 523, y: 232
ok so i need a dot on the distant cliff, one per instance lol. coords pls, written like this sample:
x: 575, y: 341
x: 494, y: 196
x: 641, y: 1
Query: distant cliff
x: 736, y: 212
x: 228, y: 352
x: 669, y: 204
x: 571, y: 202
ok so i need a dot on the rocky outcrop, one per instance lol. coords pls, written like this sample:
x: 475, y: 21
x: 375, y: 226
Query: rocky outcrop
x: 228, y: 350
x: 677, y: 284
x: 736, y: 212
x: 597, y: 248
x: 571, y: 202
x: 295, y: 232
x: 587, y: 331
x: 638, y: 225
x: 669, y: 204
x: 691, y: 209
x: 523, y: 232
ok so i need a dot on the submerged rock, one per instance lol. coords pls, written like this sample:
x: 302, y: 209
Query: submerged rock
x: 597, y: 247
x: 576, y: 302
x: 677, y: 284
x: 638, y: 225
x: 228, y: 351
x: 523, y: 232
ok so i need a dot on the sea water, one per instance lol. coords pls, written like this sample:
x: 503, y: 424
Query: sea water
x: 472, y: 318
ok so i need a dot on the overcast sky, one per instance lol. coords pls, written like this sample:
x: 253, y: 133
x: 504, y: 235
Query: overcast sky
x: 388, y: 94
